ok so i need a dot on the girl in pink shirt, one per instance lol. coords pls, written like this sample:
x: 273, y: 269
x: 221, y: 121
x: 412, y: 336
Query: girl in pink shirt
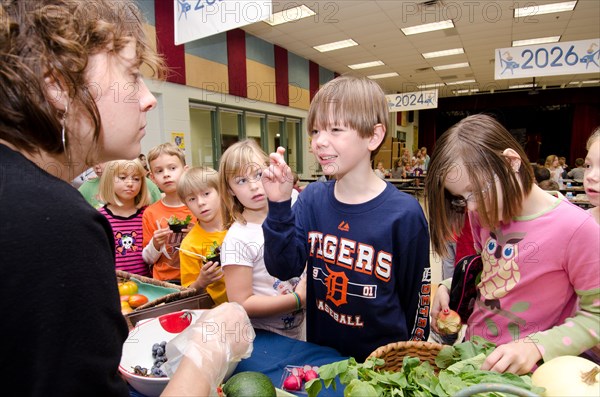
x: 540, y: 253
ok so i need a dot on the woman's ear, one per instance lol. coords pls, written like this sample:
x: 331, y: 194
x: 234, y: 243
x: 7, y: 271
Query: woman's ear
x: 55, y: 93
x: 514, y: 158
x: 378, y: 136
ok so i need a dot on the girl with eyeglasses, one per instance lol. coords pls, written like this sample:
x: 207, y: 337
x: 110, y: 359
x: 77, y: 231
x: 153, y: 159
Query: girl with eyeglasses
x: 540, y: 253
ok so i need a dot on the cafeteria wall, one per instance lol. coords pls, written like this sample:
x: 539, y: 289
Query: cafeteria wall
x: 227, y: 69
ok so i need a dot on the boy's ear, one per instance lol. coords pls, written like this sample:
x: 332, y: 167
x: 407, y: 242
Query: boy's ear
x: 378, y: 136
x: 514, y: 158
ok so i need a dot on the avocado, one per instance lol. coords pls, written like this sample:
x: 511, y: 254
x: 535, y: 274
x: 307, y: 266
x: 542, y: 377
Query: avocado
x: 249, y: 384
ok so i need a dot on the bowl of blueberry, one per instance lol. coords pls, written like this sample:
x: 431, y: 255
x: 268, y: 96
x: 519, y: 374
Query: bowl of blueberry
x: 144, y: 351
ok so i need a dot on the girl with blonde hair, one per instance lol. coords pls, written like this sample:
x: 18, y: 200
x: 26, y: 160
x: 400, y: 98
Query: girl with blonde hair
x: 123, y: 189
x: 272, y: 304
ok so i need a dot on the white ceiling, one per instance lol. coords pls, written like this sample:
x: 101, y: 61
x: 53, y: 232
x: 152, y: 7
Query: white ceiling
x: 480, y: 27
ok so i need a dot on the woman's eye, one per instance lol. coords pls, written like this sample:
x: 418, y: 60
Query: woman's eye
x: 314, y: 132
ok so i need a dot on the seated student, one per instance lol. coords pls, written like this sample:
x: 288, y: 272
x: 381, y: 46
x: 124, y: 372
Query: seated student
x: 198, y: 189
x: 549, y: 184
x: 579, y: 170
x: 540, y: 173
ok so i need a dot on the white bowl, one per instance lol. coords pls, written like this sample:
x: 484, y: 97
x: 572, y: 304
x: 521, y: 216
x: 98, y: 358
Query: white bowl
x: 137, y: 350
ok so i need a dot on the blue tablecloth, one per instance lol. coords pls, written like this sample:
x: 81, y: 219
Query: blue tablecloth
x: 273, y: 352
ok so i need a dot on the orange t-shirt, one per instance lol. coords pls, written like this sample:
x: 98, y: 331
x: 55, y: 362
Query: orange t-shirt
x: 166, y: 268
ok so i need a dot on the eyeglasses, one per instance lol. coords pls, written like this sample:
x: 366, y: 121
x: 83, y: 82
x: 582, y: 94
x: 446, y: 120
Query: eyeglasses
x: 460, y: 204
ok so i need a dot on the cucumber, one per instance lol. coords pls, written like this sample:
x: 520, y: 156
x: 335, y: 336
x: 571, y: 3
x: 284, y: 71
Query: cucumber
x: 249, y: 384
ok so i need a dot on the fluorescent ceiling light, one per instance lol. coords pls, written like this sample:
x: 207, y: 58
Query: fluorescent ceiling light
x: 584, y: 82
x: 290, y: 15
x: 528, y: 85
x: 366, y: 65
x: 460, y: 82
x: 466, y: 91
x: 544, y: 9
x: 452, y: 66
x: 382, y: 76
x: 434, y: 85
x: 336, y: 45
x: 541, y: 40
x: 428, y: 27
x: 443, y: 53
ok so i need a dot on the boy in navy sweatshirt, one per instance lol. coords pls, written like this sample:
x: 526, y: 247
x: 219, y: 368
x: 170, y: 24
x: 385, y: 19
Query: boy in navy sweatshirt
x: 365, y: 243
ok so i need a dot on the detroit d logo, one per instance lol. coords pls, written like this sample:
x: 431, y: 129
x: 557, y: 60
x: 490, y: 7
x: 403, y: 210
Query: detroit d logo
x: 337, y: 287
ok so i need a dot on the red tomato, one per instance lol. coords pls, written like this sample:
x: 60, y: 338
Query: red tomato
x: 175, y: 322
x: 137, y: 300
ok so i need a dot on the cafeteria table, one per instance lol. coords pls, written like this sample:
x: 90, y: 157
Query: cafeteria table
x: 273, y: 352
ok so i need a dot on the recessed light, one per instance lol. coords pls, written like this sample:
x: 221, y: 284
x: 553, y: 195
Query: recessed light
x: 541, y: 40
x: 366, y: 65
x: 290, y: 15
x: 382, y: 75
x: 434, y: 85
x: 452, y: 66
x: 544, y: 9
x: 427, y: 27
x: 528, y: 85
x: 335, y: 45
x: 469, y: 91
x: 460, y: 82
x: 443, y: 53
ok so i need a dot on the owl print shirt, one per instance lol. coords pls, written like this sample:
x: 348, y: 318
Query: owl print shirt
x: 541, y: 277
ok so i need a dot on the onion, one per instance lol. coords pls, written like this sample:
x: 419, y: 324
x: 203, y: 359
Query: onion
x: 449, y: 323
x: 568, y: 376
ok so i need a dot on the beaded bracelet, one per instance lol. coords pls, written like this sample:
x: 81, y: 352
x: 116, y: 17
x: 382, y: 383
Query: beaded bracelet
x: 298, y: 304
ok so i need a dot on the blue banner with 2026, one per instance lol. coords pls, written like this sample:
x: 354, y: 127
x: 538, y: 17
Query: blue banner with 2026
x: 574, y: 57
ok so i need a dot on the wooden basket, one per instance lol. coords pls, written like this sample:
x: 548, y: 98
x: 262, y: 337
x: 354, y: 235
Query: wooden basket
x: 394, y: 354
x: 182, y: 292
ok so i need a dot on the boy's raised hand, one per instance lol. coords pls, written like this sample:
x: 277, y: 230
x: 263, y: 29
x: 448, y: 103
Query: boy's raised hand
x: 277, y: 178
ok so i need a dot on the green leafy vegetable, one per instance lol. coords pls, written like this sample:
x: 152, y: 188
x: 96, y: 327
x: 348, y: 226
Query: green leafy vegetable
x: 173, y: 220
x: 459, y: 368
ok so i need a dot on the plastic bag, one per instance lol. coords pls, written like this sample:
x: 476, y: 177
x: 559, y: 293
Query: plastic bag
x: 215, y: 343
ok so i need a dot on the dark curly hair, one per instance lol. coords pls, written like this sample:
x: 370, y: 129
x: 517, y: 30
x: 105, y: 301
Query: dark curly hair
x: 52, y: 40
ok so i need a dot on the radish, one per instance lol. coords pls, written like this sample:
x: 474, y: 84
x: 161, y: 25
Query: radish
x: 292, y: 382
x: 310, y: 375
x: 299, y: 372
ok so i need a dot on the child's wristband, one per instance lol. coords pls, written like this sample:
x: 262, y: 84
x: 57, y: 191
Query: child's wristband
x: 298, y: 303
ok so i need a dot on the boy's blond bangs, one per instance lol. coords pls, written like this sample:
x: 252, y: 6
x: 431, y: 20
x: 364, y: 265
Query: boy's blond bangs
x: 195, y: 180
x: 357, y: 103
x: 165, y: 148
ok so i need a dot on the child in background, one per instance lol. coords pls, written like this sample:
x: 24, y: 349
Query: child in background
x: 591, y: 177
x: 365, y: 242
x: 167, y: 163
x: 528, y: 239
x: 198, y: 189
x: 272, y: 304
x: 123, y: 189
